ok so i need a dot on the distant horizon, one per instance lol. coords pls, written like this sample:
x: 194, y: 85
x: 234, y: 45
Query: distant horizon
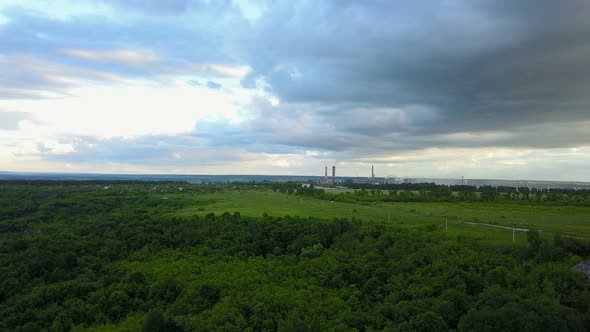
x: 287, y: 175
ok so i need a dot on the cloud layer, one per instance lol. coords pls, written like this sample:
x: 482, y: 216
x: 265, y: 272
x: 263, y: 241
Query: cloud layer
x: 192, y: 85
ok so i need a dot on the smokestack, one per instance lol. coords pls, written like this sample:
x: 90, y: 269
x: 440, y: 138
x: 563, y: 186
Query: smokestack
x: 372, y: 172
x: 326, y: 175
x: 333, y: 174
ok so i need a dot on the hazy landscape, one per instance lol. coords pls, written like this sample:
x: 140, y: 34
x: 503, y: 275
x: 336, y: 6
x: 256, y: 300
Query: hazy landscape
x: 285, y: 178
x: 294, y: 166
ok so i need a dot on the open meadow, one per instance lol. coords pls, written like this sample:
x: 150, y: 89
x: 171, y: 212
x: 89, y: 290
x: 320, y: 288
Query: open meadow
x: 567, y: 220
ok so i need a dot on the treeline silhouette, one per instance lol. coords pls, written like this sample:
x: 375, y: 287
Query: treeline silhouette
x: 431, y: 192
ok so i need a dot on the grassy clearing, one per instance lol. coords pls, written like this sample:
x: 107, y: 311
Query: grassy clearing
x: 571, y: 221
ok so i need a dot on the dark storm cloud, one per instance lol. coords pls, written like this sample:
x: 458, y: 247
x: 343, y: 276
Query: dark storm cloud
x: 295, y: 128
x: 484, y: 65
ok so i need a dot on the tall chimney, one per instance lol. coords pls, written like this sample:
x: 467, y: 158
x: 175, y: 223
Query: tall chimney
x: 326, y: 175
x: 333, y: 174
x: 373, y: 172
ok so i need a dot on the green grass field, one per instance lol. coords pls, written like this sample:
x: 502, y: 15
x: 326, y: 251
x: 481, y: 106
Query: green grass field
x: 568, y: 220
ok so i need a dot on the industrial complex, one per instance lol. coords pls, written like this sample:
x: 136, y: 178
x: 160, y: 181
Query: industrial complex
x: 333, y: 181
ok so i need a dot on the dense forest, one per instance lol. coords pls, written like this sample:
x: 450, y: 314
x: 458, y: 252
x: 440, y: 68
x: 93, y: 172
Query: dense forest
x: 83, y: 256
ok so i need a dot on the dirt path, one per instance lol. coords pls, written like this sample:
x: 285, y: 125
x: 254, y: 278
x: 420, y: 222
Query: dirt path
x: 498, y: 226
x: 518, y: 229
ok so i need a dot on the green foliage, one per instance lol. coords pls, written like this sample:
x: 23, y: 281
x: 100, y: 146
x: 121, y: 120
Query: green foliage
x: 313, y: 251
x: 80, y: 257
x: 295, y: 324
x: 431, y: 192
x: 166, y: 291
x: 155, y: 322
x: 534, y: 240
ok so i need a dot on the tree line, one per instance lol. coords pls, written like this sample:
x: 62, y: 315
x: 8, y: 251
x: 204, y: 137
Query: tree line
x: 431, y: 192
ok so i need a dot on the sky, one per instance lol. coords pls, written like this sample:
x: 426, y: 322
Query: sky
x: 435, y: 88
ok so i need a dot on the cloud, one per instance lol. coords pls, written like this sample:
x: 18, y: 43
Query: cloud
x: 128, y: 57
x: 350, y: 132
x: 210, y: 84
x: 213, y: 85
x: 167, y: 7
x: 174, y: 152
x: 227, y: 70
x: 187, y: 154
x: 29, y: 77
x: 24, y: 94
x: 353, y: 81
x: 10, y: 120
x: 485, y: 66
x: 115, y: 42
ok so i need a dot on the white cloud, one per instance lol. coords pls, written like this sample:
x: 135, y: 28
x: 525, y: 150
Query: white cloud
x: 132, y: 110
x: 224, y: 70
x: 61, y: 9
x: 129, y: 57
x: 274, y: 101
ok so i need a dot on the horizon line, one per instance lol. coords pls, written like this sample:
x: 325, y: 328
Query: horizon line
x: 284, y: 175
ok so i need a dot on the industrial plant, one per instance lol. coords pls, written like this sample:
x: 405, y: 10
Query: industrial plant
x: 372, y: 179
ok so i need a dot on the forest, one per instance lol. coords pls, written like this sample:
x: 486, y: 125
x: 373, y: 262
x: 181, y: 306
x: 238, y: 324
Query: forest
x: 431, y: 192
x: 99, y: 256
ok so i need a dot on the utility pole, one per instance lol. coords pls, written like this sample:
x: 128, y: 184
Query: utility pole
x: 512, y: 234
